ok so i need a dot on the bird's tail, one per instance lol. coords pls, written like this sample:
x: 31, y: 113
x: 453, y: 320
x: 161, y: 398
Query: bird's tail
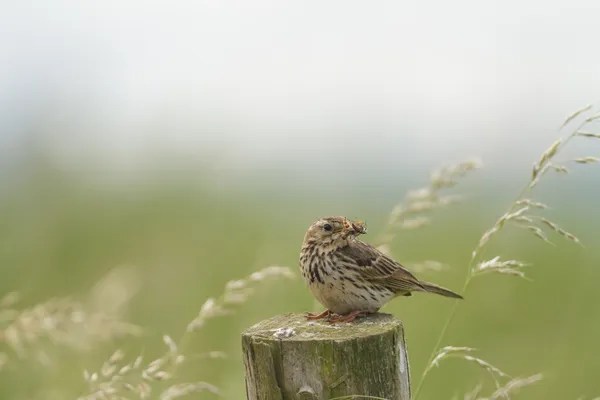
x: 433, y: 288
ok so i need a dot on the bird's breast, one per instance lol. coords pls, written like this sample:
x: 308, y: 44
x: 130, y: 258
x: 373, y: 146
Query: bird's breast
x: 340, y: 287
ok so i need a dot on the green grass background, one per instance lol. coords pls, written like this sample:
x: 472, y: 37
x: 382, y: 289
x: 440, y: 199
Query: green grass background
x: 60, y: 235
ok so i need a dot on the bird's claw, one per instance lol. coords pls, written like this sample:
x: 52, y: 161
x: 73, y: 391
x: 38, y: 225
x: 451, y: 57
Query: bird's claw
x: 332, y: 318
x: 347, y: 318
x: 313, y: 316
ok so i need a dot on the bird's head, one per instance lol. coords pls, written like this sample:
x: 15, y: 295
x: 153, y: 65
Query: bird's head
x: 333, y: 229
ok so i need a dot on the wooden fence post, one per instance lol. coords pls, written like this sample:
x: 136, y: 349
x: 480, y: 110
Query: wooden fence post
x: 289, y: 358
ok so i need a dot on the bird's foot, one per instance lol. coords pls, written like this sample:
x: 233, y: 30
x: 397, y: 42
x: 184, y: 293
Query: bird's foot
x: 313, y: 316
x: 349, y: 317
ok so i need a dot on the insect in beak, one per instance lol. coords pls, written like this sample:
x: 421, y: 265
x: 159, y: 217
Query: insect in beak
x: 359, y: 227
x: 355, y: 227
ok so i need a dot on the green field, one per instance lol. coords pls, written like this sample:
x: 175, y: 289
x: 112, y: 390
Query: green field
x: 178, y: 244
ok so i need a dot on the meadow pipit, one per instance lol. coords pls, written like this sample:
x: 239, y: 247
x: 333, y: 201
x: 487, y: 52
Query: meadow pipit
x: 352, y: 278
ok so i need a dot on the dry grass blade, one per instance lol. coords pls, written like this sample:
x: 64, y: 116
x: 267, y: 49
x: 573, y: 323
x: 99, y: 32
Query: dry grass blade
x: 575, y: 115
x: 588, y: 135
x: 63, y: 322
x: 170, y: 343
x: 546, y: 156
x: 593, y: 117
x: 516, y: 214
x: 539, y: 233
x: 514, y: 385
x: 486, y: 237
x: 236, y: 292
x: 486, y: 365
x: 560, y: 168
x: 524, y: 220
x: 66, y: 323
x: 531, y: 203
x: 587, y: 160
x: 446, y: 177
x: 10, y: 299
x: 539, y: 171
x: 464, y: 353
x: 449, y: 351
x: 183, y: 389
x: 474, y: 394
x: 415, y: 223
x: 408, y: 214
x: 508, y: 267
x: 560, y: 231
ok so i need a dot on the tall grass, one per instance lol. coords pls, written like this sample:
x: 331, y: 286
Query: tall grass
x: 92, y: 344
x: 524, y: 213
x: 159, y: 376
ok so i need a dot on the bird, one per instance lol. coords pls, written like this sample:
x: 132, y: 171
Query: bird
x: 351, y: 278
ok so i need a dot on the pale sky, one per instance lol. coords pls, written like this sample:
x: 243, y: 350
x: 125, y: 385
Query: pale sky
x: 269, y: 84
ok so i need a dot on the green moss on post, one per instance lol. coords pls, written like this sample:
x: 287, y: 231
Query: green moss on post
x: 289, y: 358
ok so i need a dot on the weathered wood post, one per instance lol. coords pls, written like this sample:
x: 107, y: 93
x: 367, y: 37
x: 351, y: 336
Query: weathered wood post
x: 289, y: 358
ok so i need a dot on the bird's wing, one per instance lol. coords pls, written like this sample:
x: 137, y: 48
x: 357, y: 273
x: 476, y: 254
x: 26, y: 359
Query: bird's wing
x: 378, y: 268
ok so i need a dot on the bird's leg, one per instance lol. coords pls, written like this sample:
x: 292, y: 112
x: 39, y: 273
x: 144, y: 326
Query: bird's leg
x: 324, y: 314
x: 349, y: 317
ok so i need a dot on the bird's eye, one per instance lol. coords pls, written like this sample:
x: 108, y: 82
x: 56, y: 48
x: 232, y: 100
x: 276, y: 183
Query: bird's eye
x: 328, y: 227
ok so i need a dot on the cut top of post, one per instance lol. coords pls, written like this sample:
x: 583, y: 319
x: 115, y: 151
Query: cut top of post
x: 297, y: 327
x: 289, y: 358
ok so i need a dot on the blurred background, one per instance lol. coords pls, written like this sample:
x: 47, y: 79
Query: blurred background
x: 185, y: 144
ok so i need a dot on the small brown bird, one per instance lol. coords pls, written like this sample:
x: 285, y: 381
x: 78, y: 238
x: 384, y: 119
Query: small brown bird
x: 352, y: 278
